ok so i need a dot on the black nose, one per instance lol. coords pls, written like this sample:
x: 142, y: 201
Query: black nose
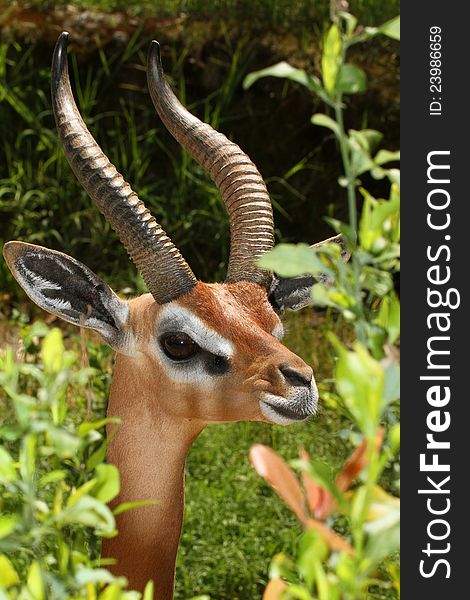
x: 297, y: 378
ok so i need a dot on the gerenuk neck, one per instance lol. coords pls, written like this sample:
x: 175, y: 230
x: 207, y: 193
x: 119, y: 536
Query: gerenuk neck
x: 150, y: 450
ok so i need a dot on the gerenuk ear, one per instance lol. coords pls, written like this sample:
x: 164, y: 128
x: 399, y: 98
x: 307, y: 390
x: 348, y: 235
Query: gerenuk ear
x: 65, y: 287
x: 296, y: 292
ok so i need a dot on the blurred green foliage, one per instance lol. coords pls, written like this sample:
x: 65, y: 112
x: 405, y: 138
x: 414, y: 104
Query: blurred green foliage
x: 367, y: 375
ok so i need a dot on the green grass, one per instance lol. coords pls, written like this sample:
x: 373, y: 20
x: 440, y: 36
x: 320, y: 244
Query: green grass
x: 285, y: 13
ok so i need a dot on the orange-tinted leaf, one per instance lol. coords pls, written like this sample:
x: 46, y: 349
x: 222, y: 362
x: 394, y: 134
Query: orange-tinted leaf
x: 274, y: 589
x: 325, y: 505
x: 281, y: 478
x: 334, y: 541
x: 356, y: 462
x: 312, y: 490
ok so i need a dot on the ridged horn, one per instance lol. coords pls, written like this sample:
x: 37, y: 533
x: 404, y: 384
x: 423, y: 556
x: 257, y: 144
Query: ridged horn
x: 161, y: 265
x: 240, y: 184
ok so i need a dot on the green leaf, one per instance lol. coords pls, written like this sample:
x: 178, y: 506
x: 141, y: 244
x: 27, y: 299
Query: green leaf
x: 90, y: 512
x: 124, y: 506
x: 383, y: 526
x: 389, y: 316
x: 313, y: 550
x: 378, y: 220
x: 331, y: 58
x: 7, y: 525
x: 360, y: 382
x: 66, y: 444
x: 7, y: 469
x: 8, y: 575
x: 394, y: 438
x: 299, y: 592
x: 282, y: 567
x: 111, y: 592
x: 326, y: 121
x: 97, y: 456
x: 85, y: 428
x: 86, y: 575
x: 149, y: 590
x: 107, y: 484
x: 52, y: 477
x: 80, y: 492
x: 281, y: 69
x: 291, y: 260
x: 351, y: 80
x: 391, y: 28
x: 28, y: 457
x: 53, y: 351
x: 385, y: 156
x: 34, y: 582
x: 391, y: 384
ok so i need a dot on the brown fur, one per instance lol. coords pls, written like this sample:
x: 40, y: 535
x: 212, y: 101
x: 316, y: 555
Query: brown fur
x: 162, y: 418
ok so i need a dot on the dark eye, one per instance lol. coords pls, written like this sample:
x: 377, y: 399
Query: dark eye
x: 178, y: 345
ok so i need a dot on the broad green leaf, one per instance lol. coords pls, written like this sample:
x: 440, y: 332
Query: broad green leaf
x: 80, y: 492
x: 125, y: 506
x: 98, y: 456
x: 111, y: 592
x: 283, y: 567
x: 383, y: 526
x: 53, y: 351
x: 8, y: 575
x: 7, y: 469
x: 391, y: 384
x: 331, y: 58
x: 360, y: 382
x: 379, y: 219
x: 34, y: 582
x: 326, y: 121
x: 7, y: 525
x: 299, y: 592
x: 281, y: 69
x: 391, y: 28
x: 107, y: 483
x: 394, y: 438
x: 286, y: 71
x: 28, y: 457
x: 351, y: 80
x: 312, y: 550
x: 90, y: 512
x: 291, y: 260
x: 66, y: 444
x: 149, y: 590
x: 86, y: 575
x: 366, y: 139
x: 385, y: 156
x: 52, y: 477
x: 389, y: 316
x: 85, y: 428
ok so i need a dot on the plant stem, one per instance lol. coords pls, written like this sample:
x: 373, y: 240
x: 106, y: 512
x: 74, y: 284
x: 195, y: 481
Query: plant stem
x: 351, y: 189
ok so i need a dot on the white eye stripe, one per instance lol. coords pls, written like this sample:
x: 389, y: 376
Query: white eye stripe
x: 177, y: 318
